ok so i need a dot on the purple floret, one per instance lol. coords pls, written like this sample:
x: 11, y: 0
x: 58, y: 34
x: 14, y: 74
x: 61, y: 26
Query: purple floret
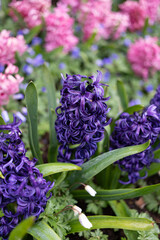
x: 23, y: 189
x: 81, y: 118
x: 134, y: 130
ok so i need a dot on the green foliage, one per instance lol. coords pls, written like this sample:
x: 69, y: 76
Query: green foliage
x: 32, y: 103
x: 93, y: 235
x: 152, y: 202
x: 57, y: 220
x: 21, y: 229
x: 152, y: 234
x: 97, y: 164
x: 95, y: 206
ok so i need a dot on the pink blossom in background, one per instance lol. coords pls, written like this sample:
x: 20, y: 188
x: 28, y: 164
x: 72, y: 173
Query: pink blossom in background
x: 115, y: 24
x: 151, y: 8
x: 74, y: 4
x: 9, y: 84
x: 92, y: 15
x: 31, y: 10
x: 59, y: 30
x: 9, y: 46
x: 144, y: 56
x: 136, y: 13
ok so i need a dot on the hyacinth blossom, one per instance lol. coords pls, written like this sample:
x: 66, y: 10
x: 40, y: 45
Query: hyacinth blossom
x: 138, y: 12
x: 9, y: 46
x: 59, y: 30
x: 74, y: 4
x: 9, y: 83
x: 81, y: 118
x: 22, y: 185
x: 134, y: 130
x: 32, y: 11
x: 144, y: 56
x: 97, y: 17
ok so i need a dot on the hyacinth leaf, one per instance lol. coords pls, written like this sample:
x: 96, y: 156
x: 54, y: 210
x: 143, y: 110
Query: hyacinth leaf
x: 33, y: 32
x: 144, y: 31
x: 134, y: 108
x: 51, y: 93
x: 97, y: 164
x: 21, y: 229
x: 122, y: 94
x: 122, y: 210
x: 98, y: 222
x: 52, y: 168
x: 42, y: 231
x: 117, y: 194
x: 32, y: 103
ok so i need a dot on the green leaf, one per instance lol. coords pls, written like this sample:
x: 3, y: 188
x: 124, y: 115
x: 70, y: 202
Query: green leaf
x: 97, y: 164
x: 51, y: 94
x: 157, y: 154
x: 33, y: 32
x: 42, y: 231
x: 134, y: 108
x: 117, y: 194
x: 21, y: 229
x: 32, y: 103
x: 144, y: 31
x: 98, y: 222
x: 122, y: 210
x: 122, y: 94
x: 52, y: 168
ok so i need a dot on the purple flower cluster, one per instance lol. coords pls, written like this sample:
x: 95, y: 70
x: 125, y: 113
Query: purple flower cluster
x: 81, y: 118
x: 22, y: 187
x: 133, y: 130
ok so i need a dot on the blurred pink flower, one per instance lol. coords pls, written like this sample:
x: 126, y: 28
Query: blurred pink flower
x: 144, y: 56
x: 74, y: 4
x: 151, y: 8
x: 9, y: 46
x: 92, y: 17
x: 136, y: 13
x: 59, y: 30
x: 115, y: 24
x: 9, y: 84
x: 31, y: 10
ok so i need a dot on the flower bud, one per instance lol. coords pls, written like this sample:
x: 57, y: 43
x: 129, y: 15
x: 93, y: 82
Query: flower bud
x: 84, y: 221
x: 77, y: 210
x: 90, y: 190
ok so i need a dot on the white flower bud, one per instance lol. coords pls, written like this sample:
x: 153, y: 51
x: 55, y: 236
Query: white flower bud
x: 90, y: 190
x: 77, y: 210
x: 84, y: 221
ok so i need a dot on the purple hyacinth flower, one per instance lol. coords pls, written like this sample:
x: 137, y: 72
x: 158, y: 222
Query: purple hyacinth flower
x: 134, y: 130
x: 22, y: 187
x: 81, y: 118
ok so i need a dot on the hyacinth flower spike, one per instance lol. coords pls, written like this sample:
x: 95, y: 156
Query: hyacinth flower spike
x: 22, y: 185
x: 81, y: 118
x: 133, y: 130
